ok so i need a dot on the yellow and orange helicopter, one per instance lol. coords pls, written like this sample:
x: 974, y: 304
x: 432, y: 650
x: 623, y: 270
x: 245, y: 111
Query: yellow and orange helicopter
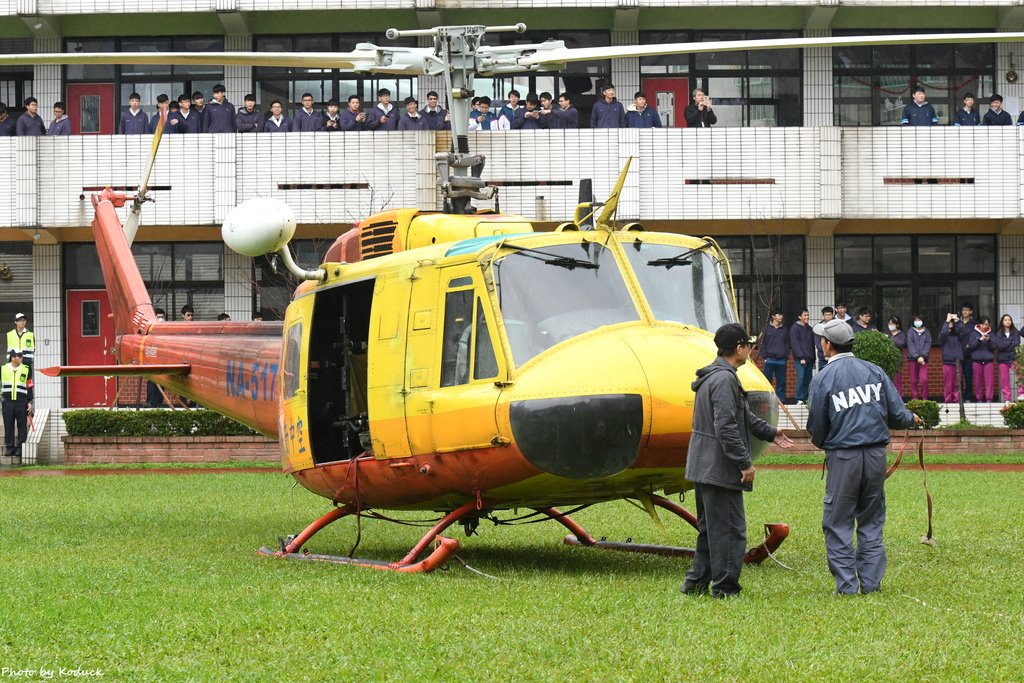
x: 456, y: 362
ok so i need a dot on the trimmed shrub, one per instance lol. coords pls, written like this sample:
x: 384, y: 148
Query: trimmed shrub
x: 104, y: 422
x: 1013, y: 415
x: 926, y: 410
x: 877, y: 348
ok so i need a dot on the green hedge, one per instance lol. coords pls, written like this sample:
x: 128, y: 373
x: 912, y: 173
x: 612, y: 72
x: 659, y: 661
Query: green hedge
x: 877, y: 348
x: 152, y: 423
x: 1013, y: 415
x: 926, y: 410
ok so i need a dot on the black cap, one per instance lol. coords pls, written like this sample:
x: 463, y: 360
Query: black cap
x: 731, y: 335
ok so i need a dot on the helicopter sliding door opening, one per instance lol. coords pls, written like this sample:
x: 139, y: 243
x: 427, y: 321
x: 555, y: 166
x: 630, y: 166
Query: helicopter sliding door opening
x: 339, y: 424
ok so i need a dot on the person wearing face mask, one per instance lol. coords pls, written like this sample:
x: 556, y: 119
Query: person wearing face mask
x: 982, y: 347
x: 899, y: 340
x: 951, y: 340
x: 919, y: 343
x: 1007, y: 340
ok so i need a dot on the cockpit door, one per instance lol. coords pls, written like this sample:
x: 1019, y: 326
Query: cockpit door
x: 294, y: 428
x: 454, y: 371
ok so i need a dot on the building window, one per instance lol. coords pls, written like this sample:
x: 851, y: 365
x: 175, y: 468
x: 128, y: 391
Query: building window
x: 873, y: 84
x: 288, y: 84
x: 175, y: 274
x: 580, y: 79
x: 149, y: 80
x: 767, y: 273
x: 926, y: 275
x: 15, y: 81
x: 748, y: 87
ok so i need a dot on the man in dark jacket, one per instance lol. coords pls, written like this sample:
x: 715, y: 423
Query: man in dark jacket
x: 220, y: 114
x: 608, y: 111
x: 307, y: 119
x: 801, y: 345
x: 852, y: 406
x: 30, y: 123
x: 827, y: 313
x: 641, y: 115
x: 8, y: 124
x: 919, y: 112
x: 434, y: 115
x: 773, y: 345
x: 718, y: 463
x: 134, y: 121
x: 352, y: 118
x: 699, y: 114
x: 248, y: 119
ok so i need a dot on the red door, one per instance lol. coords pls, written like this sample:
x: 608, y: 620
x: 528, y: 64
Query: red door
x: 90, y: 337
x: 670, y: 97
x: 91, y: 108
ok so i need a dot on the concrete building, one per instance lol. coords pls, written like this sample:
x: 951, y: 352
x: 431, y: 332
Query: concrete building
x: 807, y: 181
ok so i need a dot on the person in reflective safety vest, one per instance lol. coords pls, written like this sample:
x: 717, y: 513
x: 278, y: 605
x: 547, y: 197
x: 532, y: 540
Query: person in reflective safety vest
x: 17, y: 395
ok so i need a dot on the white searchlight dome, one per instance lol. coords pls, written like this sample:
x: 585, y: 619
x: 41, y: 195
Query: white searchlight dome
x: 258, y: 226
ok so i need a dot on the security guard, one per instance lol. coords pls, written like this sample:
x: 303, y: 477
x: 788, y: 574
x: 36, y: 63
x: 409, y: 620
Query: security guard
x: 718, y: 462
x: 21, y: 339
x: 17, y: 402
x: 852, y: 405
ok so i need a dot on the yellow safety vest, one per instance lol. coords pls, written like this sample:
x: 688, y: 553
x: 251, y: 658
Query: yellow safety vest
x: 26, y: 343
x: 14, y: 381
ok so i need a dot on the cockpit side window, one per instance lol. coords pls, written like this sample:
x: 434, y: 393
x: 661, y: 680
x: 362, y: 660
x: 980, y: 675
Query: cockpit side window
x: 485, y: 365
x: 458, y: 328
x: 292, y: 357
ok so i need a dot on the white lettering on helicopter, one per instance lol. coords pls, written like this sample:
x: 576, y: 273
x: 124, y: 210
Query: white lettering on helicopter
x: 856, y: 396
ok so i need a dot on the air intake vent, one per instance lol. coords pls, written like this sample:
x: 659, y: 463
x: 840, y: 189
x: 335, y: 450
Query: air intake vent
x: 377, y: 239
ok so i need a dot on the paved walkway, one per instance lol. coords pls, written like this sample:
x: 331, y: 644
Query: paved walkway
x: 30, y: 472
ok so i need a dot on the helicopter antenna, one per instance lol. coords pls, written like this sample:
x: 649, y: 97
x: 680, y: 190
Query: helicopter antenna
x: 458, y: 171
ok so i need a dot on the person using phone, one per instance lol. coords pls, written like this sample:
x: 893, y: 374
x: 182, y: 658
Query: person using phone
x: 700, y: 114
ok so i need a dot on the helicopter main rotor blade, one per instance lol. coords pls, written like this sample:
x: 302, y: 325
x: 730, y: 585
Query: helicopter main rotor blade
x: 131, y: 224
x: 366, y: 57
x: 560, y: 55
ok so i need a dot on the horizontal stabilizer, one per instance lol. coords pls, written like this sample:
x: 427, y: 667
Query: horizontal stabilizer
x: 117, y: 370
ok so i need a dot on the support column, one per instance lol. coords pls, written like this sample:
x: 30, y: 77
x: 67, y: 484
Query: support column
x: 47, y: 84
x: 425, y: 84
x: 238, y: 79
x: 46, y: 323
x: 238, y: 285
x: 821, y: 279
x: 818, y: 98
x: 1009, y: 56
x: 625, y: 72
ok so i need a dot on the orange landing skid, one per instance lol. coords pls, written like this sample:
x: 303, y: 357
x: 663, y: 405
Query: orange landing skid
x: 444, y: 549
x: 116, y: 370
x: 775, y: 534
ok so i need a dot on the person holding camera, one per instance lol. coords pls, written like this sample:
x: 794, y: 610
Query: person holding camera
x: 951, y: 340
x: 982, y: 347
x: 699, y: 114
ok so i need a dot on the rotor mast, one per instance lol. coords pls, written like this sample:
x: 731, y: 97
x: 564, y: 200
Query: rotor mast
x: 458, y: 171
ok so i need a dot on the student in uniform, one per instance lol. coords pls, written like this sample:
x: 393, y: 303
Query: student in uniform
x: 919, y: 345
x: 307, y: 119
x: 134, y: 121
x: 434, y: 115
x: 220, y: 114
x: 162, y: 108
x: 411, y: 119
x: 8, y: 124
x: 248, y: 118
x: 801, y: 345
x: 277, y: 123
x: 827, y: 313
x: 982, y: 348
x: 1007, y: 340
x: 384, y: 115
x: 773, y: 345
x: 951, y: 340
x: 201, y: 111
x: 353, y: 118
x: 31, y: 123
x: 899, y: 340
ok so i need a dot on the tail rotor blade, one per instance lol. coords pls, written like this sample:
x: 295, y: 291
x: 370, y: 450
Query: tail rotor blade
x: 131, y: 224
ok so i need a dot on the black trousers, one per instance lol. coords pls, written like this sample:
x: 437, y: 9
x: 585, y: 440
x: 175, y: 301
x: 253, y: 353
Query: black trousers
x: 721, y: 539
x: 15, y: 412
x: 967, y: 375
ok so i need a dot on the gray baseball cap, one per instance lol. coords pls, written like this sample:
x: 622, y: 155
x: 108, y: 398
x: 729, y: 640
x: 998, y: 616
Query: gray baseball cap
x: 836, y: 331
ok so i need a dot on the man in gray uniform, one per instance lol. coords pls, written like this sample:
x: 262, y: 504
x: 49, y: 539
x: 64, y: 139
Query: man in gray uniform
x: 852, y: 405
x: 718, y: 463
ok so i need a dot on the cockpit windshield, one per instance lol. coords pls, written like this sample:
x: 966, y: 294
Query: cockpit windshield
x: 681, y: 284
x: 553, y: 293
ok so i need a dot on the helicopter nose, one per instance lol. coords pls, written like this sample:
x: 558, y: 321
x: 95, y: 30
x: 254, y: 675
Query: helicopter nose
x: 579, y: 437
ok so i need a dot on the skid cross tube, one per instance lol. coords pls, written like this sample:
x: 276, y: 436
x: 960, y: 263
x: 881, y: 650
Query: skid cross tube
x: 775, y: 534
x: 444, y: 549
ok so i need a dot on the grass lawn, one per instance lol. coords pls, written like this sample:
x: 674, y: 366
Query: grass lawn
x: 156, y: 578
